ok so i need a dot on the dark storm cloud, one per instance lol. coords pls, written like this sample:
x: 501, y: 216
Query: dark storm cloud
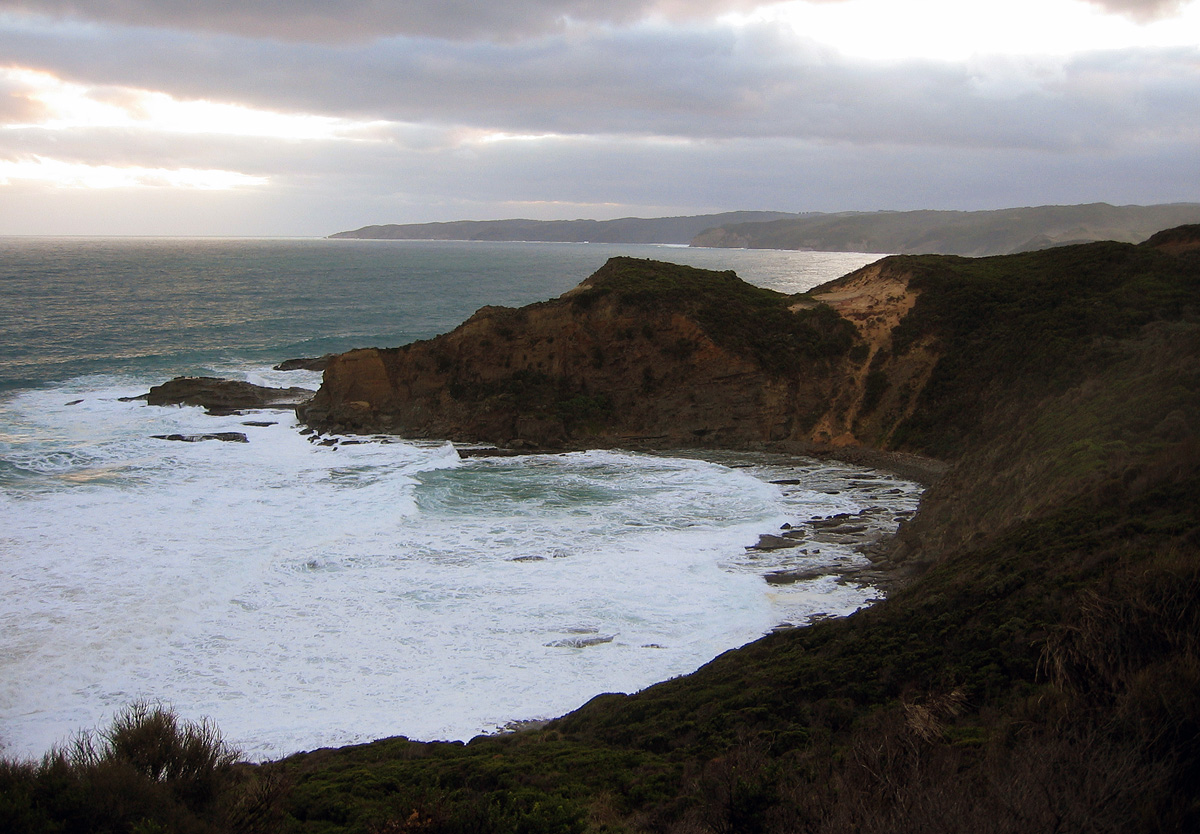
x: 339, y: 20
x: 691, y: 82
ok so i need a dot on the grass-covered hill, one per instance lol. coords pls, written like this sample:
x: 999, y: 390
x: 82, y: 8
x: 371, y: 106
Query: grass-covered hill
x: 1039, y: 672
x: 999, y: 231
x: 995, y: 232
x: 623, y: 230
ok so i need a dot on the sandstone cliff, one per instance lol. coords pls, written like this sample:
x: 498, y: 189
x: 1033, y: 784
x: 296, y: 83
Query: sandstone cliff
x: 641, y: 353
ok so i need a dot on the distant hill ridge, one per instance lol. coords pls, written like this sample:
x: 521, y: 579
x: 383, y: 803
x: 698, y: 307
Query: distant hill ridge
x: 972, y: 233
x: 677, y: 230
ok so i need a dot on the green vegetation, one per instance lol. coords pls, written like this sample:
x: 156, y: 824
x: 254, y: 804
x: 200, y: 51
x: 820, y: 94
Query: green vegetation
x: 1026, y: 326
x: 148, y: 772
x: 1041, y: 672
x: 954, y: 232
x: 740, y: 317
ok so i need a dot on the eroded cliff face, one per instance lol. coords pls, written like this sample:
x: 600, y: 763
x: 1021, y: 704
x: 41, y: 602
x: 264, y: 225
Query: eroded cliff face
x: 878, y: 393
x: 645, y: 353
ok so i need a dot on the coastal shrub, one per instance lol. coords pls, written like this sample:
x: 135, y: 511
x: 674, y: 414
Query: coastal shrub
x: 148, y: 771
x: 584, y: 411
x: 1020, y: 326
x: 873, y: 390
x: 189, y: 757
x: 739, y: 317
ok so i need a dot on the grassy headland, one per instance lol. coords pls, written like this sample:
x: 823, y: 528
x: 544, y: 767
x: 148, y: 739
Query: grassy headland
x: 1041, y: 672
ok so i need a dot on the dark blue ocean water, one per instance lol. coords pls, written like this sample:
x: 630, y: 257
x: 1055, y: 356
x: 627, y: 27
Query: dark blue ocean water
x: 79, y: 306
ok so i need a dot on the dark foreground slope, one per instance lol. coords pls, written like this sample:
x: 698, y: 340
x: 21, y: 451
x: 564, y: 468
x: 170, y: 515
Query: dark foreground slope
x: 1041, y: 672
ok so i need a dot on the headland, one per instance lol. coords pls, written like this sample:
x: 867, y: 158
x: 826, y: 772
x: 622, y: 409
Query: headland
x: 1040, y: 671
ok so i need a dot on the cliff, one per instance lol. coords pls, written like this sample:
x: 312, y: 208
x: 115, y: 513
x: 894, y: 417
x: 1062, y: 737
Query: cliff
x: 959, y: 359
x: 973, y: 233
x: 640, y: 353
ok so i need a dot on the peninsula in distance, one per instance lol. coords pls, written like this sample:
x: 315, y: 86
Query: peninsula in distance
x: 970, y: 233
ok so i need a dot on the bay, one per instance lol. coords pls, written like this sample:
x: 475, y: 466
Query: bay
x: 303, y: 595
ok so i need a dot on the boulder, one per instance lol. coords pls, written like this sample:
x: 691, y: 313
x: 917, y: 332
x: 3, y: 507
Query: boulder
x: 223, y: 396
x: 769, y: 542
x: 227, y: 436
x: 305, y: 363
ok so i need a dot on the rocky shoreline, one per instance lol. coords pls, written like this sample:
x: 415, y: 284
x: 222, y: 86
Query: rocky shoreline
x: 223, y: 397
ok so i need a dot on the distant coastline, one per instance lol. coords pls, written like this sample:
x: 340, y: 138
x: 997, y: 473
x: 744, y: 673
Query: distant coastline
x: 970, y: 233
x: 671, y: 230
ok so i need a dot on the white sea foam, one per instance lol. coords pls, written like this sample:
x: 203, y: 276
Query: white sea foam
x: 304, y: 595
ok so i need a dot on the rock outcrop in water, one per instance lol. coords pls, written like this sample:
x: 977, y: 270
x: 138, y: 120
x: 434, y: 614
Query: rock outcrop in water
x: 307, y: 363
x: 226, y: 436
x: 223, y: 396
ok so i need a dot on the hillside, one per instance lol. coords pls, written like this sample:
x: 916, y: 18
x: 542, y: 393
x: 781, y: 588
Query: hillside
x: 973, y: 233
x: 1039, y: 672
x: 678, y: 230
x: 641, y: 352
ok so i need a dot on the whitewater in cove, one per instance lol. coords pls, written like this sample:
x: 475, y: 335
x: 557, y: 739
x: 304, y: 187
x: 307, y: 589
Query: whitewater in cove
x: 304, y: 595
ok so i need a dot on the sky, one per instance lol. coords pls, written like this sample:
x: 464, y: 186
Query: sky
x: 307, y: 117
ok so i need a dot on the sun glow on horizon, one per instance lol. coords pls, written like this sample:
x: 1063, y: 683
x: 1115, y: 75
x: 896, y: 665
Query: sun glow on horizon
x: 47, y: 104
x: 66, y: 105
x: 40, y: 169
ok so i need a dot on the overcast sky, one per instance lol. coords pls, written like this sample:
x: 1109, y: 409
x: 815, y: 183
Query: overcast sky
x: 306, y: 117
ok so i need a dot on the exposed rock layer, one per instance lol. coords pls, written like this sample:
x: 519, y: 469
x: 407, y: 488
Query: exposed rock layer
x: 307, y: 363
x: 639, y: 353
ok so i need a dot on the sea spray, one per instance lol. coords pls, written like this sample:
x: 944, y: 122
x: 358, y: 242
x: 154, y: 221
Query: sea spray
x: 304, y: 595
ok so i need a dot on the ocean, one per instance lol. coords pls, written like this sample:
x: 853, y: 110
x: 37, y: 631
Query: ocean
x: 305, y: 596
